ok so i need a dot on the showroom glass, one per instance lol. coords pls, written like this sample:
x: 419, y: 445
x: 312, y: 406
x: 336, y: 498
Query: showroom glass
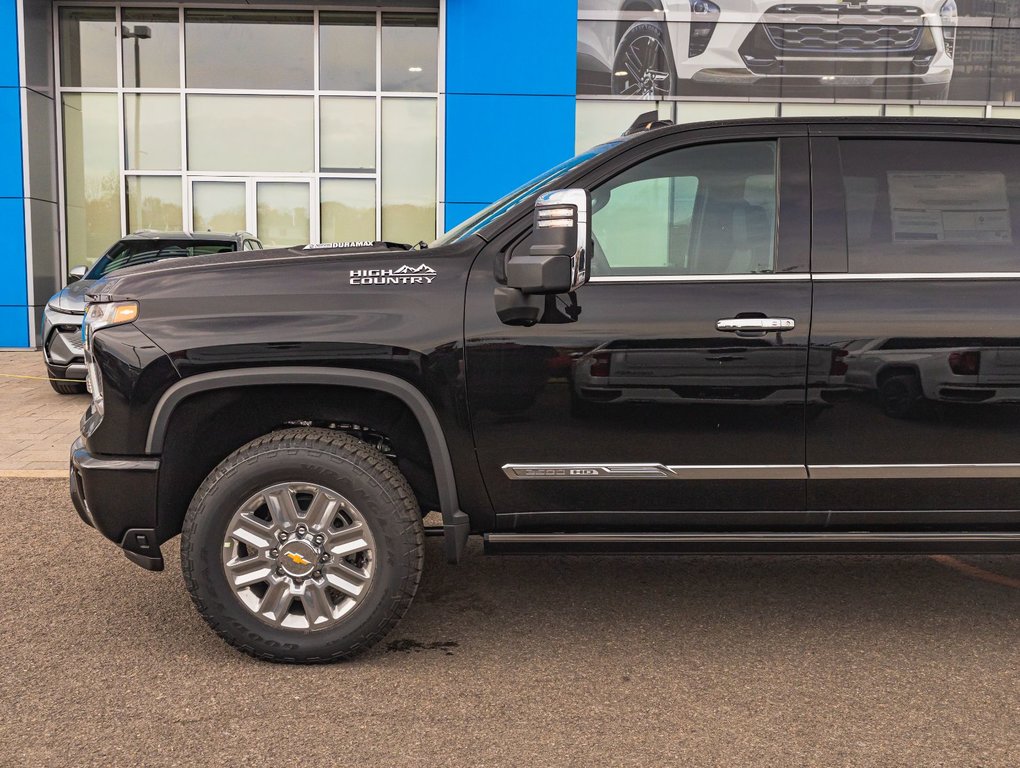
x: 223, y: 119
x: 347, y: 210
x: 219, y: 206
x: 150, y: 42
x: 932, y: 206
x: 346, y: 134
x: 250, y: 133
x: 408, y: 170
x: 706, y: 210
x: 88, y: 47
x: 283, y: 212
x: 267, y: 50
x: 347, y: 51
x: 152, y: 131
x: 91, y: 175
x: 154, y: 202
x: 409, y: 51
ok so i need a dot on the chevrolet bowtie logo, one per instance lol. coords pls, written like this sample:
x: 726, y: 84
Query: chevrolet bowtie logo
x: 297, y: 559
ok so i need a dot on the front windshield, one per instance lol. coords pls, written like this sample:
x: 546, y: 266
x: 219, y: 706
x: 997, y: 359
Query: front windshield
x: 498, y: 208
x: 131, y: 253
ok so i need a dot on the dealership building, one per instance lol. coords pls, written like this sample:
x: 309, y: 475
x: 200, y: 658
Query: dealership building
x: 334, y: 121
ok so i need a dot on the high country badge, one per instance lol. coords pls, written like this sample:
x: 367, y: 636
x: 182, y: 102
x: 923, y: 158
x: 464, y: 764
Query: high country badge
x: 405, y: 275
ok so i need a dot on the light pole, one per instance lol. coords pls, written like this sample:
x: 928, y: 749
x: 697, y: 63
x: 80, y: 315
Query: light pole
x: 136, y: 33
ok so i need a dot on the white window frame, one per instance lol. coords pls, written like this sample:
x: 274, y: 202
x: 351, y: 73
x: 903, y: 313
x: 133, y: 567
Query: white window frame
x: 314, y: 177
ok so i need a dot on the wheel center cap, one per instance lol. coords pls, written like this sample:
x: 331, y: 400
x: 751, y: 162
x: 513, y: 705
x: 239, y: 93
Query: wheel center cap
x: 298, y: 558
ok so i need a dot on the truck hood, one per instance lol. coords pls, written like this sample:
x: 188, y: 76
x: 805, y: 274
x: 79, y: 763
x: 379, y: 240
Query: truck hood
x: 71, y: 299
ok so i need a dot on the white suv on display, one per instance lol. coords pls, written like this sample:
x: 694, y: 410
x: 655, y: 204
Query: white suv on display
x: 883, y: 49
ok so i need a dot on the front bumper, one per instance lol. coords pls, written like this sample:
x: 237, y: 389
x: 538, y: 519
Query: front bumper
x: 62, y: 344
x: 116, y: 495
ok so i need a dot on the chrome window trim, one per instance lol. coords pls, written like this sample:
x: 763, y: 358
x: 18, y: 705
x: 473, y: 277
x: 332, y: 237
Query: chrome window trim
x: 699, y: 278
x: 918, y: 276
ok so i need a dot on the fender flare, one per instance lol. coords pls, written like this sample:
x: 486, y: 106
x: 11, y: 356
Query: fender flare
x: 456, y: 524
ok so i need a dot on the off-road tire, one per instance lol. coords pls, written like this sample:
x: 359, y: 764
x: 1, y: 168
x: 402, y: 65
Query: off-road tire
x: 337, y: 461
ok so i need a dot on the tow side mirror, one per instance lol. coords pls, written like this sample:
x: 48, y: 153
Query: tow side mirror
x: 557, y: 261
x: 76, y: 274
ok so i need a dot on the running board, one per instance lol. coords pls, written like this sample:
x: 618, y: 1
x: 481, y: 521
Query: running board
x: 866, y: 542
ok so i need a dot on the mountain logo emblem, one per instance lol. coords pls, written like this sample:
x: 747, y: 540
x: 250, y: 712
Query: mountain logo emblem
x: 405, y: 274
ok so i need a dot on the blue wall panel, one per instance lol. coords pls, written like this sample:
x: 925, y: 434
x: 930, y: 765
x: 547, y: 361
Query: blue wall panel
x: 500, y: 142
x: 526, y: 46
x: 13, y: 258
x: 9, y: 44
x: 510, y: 84
x: 12, y: 182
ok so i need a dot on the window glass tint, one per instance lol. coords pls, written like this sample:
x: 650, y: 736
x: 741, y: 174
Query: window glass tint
x: 707, y: 210
x: 409, y: 51
x: 132, y: 253
x: 151, y: 45
x: 250, y: 133
x: 152, y: 131
x: 347, y: 51
x: 91, y: 175
x: 408, y: 170
x: 269, y: 50
x: 932, y: 206
x: 154, y: 202
x: 88, y: 47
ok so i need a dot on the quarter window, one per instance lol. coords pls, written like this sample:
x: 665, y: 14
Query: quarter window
x: 932, y: 206
x: 708, y: 210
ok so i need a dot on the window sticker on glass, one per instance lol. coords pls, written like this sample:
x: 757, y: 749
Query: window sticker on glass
x: 950, y: 207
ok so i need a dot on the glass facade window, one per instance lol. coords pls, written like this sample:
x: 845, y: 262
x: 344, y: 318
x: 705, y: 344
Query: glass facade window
x: 408, y: 170
x: 347, y: 210
x: 284, y: 212
x: 92, y: 196
x: 410, y: 51
x: 250, y: 133
x: 225, y: 119
x: 347, y: 134
x: 88, y: 47
x: 219, y: 206
x: 267, y: 50
x: 347, y: 51
x: 152, y: 131
x: 154, y: 202
x: 150, y: 45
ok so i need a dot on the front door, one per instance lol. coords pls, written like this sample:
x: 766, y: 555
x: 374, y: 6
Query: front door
x: 674, y: 394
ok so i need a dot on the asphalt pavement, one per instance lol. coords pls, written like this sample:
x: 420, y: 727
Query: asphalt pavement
x: 524, y: 661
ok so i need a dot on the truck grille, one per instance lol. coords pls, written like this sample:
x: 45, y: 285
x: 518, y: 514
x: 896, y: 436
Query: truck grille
x: 843, y: 28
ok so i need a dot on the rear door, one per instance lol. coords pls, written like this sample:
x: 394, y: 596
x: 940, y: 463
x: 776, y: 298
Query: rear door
x: 916, y: 273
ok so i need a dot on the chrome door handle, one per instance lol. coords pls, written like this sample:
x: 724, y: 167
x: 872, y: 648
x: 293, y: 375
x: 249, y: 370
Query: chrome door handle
x: 756, y: 324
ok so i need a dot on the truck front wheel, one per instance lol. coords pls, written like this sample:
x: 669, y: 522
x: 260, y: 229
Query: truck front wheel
x: 304, y: 545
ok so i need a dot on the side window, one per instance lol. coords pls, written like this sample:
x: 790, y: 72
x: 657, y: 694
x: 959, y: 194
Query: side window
x: 251, y: 245
x: 707, y: 210
x: 931, y: 206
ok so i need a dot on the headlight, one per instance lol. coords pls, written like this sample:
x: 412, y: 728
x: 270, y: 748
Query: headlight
x: 105, y: 314
x: 947, y: 17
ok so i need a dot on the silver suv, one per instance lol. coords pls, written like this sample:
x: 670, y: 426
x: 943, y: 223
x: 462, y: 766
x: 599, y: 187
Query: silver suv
x: 61, y: 324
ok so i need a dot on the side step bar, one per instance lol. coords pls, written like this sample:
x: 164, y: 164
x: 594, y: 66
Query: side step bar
x: 863, y: 542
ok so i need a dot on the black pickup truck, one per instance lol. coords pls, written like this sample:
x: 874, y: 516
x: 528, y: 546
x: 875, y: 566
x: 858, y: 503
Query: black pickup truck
x: 757, y: 336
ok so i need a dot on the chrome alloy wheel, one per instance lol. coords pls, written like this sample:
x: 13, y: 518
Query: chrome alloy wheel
x: 299, y: 556
x: 641, y: 68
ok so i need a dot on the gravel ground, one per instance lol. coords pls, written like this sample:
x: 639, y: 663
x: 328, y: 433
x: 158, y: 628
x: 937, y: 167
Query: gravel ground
x: 700, y: 661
